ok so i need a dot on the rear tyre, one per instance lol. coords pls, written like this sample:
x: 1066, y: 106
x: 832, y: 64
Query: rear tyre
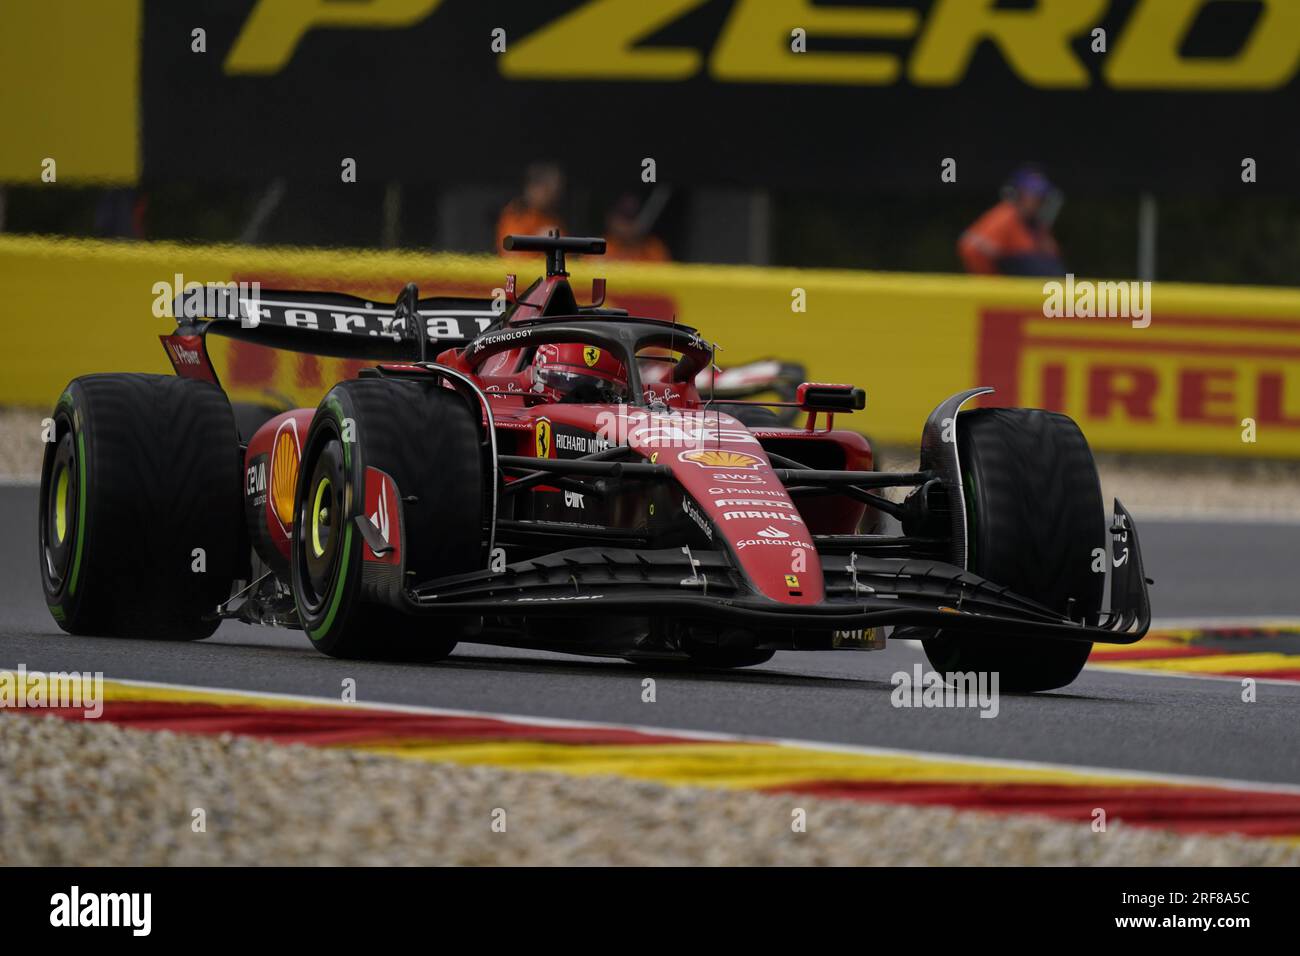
x: 249, y: 417
x: 1034, y: 518
x: 426, y: 439
x: 140, y: 507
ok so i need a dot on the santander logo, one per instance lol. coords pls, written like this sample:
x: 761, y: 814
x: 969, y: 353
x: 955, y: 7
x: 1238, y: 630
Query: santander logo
x: 771, y: 532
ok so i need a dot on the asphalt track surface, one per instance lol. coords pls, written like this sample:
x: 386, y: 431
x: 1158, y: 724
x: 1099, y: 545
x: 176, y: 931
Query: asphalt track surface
x: 1105, y: 719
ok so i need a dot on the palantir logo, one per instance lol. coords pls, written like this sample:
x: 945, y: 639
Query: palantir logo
x: 74, y: 909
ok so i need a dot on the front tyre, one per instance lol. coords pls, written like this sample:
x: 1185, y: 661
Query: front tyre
x: 751, y: 416
x: 1034, y: 520
x: 425, y: 439
x: 729, y: 658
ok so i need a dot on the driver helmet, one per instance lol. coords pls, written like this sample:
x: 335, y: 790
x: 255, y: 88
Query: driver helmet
x: 574, y: 372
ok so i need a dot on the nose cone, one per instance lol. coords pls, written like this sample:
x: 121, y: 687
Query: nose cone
x: 730, y: 486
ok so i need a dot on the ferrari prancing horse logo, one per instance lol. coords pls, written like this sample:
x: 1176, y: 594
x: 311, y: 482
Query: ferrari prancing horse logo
x: 543, y: 434
x: 591, y: 355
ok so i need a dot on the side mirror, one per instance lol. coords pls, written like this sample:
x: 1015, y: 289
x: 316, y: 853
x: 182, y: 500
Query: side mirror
x: 819, y: 397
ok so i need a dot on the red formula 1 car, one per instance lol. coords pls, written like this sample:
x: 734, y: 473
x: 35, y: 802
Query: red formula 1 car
x: 550, y: 476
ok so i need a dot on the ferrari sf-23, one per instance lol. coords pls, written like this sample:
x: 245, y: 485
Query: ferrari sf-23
x: 547, y: 474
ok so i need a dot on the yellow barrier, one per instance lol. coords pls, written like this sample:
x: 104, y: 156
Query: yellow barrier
x: 1211, y: 358
x: 70, y: 92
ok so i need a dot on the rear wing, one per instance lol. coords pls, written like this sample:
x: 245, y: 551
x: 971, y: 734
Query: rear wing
x: 334, y: 324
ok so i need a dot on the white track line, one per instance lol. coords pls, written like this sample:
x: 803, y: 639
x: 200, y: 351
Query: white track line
x: 1186, y: 516
x: 718, y: 736
x: 1210, y: 623
x: 1190, y: 675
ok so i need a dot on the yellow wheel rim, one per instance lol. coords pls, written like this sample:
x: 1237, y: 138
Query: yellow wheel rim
x: 61, y: 505
x: 321, y: 490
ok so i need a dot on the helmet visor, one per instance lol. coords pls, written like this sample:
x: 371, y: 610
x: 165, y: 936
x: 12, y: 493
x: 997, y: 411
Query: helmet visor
x: 581, y: 385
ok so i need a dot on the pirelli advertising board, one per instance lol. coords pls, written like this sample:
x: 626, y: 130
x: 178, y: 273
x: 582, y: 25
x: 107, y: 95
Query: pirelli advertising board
x: 1161, y: 94
x: 1187, y: 369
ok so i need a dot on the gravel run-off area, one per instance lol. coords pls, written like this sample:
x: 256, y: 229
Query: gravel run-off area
x: 93, y: 793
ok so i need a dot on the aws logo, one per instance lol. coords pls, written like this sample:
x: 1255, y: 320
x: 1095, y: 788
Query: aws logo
x: 766, y: 41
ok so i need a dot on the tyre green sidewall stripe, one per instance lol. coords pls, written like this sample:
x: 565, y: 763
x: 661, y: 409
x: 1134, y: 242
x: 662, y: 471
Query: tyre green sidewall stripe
x: 316, y: 633
x: 333, y: 404
x: 344, y: 559
x: 81, y: 512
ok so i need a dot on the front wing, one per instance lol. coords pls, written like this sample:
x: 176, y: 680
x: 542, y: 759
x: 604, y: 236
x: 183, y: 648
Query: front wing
x: 860, y: 593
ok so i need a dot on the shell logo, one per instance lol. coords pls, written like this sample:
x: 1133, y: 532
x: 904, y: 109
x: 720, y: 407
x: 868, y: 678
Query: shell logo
x: 713, y: 458
x: 284, y: 473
